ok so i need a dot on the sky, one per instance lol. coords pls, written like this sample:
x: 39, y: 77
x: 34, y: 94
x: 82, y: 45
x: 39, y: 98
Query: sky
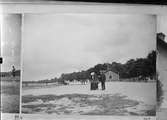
x: 62, y: 43
x: 10, y: 41
x: 162, y: 24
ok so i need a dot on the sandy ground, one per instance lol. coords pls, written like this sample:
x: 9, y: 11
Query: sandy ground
x: 135, y: 91
x: 68, y: 117
x: 118, y: 99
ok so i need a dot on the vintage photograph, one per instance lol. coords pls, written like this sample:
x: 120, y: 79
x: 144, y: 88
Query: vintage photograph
x: 10, y: 67
x: 88, y: 64
x: 162, y: 67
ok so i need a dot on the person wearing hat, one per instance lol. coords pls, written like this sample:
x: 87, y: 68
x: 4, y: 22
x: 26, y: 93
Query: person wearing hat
x: 13, y: 71
x: 102, y: 79
x: 94, y: 81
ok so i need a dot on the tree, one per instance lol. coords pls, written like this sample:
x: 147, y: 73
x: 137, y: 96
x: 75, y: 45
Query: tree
x: 145, y: 67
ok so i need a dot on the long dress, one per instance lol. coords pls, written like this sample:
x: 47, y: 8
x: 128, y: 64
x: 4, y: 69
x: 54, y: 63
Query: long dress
x: 94, y: 82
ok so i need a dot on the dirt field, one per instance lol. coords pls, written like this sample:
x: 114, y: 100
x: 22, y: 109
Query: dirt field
x: 118, y: 99
x: 10, y: 91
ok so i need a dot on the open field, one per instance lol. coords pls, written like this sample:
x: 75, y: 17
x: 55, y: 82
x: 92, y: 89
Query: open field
x: 118, y: 99
x: 10, y: 91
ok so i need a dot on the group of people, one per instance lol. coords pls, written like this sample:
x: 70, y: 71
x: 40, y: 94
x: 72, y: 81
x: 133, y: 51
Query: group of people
x: 96, y: 79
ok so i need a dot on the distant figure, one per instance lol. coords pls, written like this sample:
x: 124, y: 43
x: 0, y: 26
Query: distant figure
x: 94, y: 81
x: 102, y: 79
x: 84, y: 81
x: 17, y: 117
x: 13, y: 71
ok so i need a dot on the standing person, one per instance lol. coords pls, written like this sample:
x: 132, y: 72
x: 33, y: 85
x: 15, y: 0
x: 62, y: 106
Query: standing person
x: 91, y: 80
x: 94, y: 81
x: 13, y: 71
x: 102, y: 80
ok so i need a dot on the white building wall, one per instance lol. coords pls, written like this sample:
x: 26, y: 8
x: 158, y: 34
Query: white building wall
x: 111, y: 76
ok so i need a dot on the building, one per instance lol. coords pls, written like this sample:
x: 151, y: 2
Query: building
x: 111, y: 76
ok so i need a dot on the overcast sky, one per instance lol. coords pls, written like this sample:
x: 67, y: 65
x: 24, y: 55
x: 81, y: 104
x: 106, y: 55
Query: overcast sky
x: 162, y: 24
x: 62, y: 43
x: 10, y: 41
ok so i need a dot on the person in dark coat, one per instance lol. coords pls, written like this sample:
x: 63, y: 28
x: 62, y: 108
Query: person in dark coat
x: 102, y: 80
x: 13, y: 71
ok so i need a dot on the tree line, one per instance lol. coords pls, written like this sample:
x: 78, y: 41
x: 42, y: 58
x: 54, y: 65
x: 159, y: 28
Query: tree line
x: 143, y: 67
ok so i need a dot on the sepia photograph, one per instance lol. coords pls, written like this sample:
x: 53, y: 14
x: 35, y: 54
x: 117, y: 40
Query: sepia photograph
x: 162, y: 67
x: 11, y: 58
x: 88, y: 65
